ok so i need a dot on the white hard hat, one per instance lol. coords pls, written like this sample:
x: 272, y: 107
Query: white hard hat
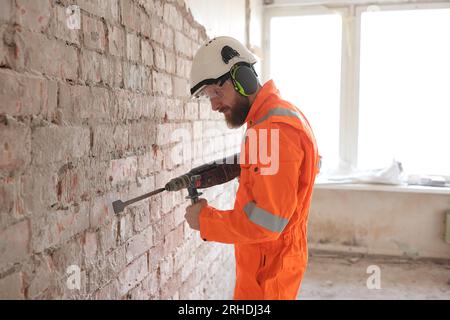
x: 214, y: 60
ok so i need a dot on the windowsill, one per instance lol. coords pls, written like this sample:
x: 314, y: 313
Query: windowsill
x: 382, y: 187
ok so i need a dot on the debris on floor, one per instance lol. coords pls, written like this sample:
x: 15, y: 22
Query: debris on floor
x: 335, y: 276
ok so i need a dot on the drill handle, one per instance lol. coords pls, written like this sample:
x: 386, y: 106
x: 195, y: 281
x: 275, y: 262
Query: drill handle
x: 193, y: 194
x: 192, y: 190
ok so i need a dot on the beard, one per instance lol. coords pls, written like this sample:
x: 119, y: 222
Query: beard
x: 236, y: 115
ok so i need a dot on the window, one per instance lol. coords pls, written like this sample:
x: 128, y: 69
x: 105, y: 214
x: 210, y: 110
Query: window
x: 404, y: 108
x: 306, y: 66
x: 374, y: 81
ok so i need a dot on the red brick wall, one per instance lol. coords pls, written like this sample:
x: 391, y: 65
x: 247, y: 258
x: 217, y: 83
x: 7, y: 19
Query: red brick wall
x: 86, y: 117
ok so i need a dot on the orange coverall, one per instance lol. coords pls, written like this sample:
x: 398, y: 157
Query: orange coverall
x: 269, y: 219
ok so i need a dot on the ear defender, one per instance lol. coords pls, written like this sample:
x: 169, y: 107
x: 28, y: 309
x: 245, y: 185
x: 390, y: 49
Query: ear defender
x: 245, y: 79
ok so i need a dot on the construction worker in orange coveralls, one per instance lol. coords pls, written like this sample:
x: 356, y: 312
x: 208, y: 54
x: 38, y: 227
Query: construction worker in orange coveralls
x: 268, y: 222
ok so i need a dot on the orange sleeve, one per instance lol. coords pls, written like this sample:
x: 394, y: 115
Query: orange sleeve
x: 264, y: 202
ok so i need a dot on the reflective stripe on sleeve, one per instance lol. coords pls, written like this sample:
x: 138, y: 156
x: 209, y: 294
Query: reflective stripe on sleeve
x: 278, y: 112
x: 264, y: 218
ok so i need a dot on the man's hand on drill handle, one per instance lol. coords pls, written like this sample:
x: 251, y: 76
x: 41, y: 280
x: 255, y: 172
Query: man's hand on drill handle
x: 193, y: 212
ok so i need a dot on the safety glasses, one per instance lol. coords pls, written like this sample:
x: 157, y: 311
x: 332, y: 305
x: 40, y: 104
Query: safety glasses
x: 215, y: 90
x: 211, y: 92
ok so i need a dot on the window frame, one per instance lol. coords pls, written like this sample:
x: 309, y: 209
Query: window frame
x: 350, y: 58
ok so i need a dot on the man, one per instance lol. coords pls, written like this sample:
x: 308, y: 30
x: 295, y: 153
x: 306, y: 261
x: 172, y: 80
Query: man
x: 268, y: 222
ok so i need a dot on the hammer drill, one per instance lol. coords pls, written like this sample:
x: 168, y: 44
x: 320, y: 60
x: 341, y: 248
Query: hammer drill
x: 204, y: 176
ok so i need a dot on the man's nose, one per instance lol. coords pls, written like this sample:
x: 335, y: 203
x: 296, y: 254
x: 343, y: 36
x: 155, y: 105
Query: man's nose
x: 215, y: 104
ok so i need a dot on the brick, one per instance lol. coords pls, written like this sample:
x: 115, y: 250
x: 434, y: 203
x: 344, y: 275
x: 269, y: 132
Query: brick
x: 7, y: 52
x: 130, y: 15
x: 107, y: 270
x: 173, y: 239
x: 33, y: 15
x: 26, y: 94
x: 12, y: 287
x: 170, y: 289
x: 72, y: 142
x: 12, y: 204
x: 138, y: 293
x: 108, y: 139
x: 145, y: 25
x: 94, y: 33
x: 93, y: 66
x: 142, y: 135
x: 160, y: 58
x: 100, y: 212
x: 83, y: 103
x: 158, y: 235
x: 141, y: 216
x: 150, y: 162
x: 109, y: 291
x: 59, y: 26
x: 52, y: 58
x: 168, y: 223
x: 108, y: 9
x: 191, y: 110
x: 151, y: 284
x: 14, y: 243
x: 133, y: 47
x: 122, y: 170
x: 95, y: 177
x: 123, y: 105
x: 164, y: 133
x: 58, y: 226
x: 183, y: 68
x: 166, y: 270
x: 6, y: 12
x: 167, y: 38
x: 147, y: 53
x: 157, y: 34
x: 72, y: 184
x: 172, y: 17
x: 108, y: 235
x: 113, y: 74
x: 155, y: 7
x: 133, y: 274
x: 90, y: 247
x: 178, y: 215
x: 188, y: 268
x: 137, y: 77
x: 15, y: 146
x: 126, y: 230
x: 116, y: 41
x: 183, y: 44
x: 39, y: 190
x: 181, y: 87
x: 162, y: 83
x: 190, y: 31
x: 170, y: 62
x: 97, y: 68
x: 42, y: 278
x: 139, y: 244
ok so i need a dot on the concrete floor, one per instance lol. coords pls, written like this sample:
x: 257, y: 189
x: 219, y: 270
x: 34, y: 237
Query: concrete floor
x: 334, y: 276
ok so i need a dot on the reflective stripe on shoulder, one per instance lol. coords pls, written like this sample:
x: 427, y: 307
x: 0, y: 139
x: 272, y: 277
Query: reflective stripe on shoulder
x: 278, y: 112
x: 264, y: 218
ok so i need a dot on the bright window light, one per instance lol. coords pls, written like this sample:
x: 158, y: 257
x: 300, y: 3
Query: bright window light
x: 405, y: 90
x: 305, y: 63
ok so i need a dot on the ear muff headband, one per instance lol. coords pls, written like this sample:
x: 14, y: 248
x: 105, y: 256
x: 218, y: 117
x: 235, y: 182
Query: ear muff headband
x: 244, y: 79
